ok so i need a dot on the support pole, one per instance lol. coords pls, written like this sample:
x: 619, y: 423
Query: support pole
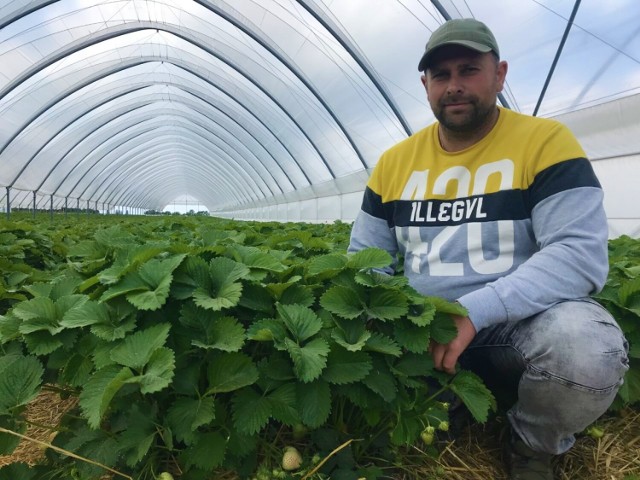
x: 557, y: 57
x: 8, y: 203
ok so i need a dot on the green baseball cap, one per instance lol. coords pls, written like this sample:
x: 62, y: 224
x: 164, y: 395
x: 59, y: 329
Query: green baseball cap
x: 467, y: 32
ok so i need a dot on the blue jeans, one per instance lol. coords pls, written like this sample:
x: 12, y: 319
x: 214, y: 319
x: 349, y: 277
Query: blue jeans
x: 564, y: 365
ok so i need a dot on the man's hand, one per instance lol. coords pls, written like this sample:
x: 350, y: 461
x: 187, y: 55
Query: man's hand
x: 445, y: 356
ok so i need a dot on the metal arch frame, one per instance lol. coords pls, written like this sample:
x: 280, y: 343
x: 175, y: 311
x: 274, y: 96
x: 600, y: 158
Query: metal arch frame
x: 52, y: 138
x: 14, y: 18
x: 205, y: 113
x: 292, y: 68
x: 138, y: 198
x: 335, y: 32
x: 137, y: 62
x: 113, y: 149
x: 114, y: 195
x: 141, y: 198
x: 135, y: 197
x: 140, y: 141
x: 74, y: 89
x: 137, y: 146
x: 228, y: 160
x: 140, y: 159
x: 120, y: 30
x: 332, y: 29
x: 231, y: 160
x: 132, y: 90
x: 76, y: 145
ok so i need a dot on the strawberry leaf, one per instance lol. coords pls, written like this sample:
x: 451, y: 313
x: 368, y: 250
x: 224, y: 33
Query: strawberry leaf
x: 136, y: 349
x: 386, y: 304
x: 422, y: 314
x: 226, y: 296
x: 251, y: 412
x: 351, y: 335
x: 231, y: 371
x: 383, y: 344
x: 100, y: 390
x: 375, y: 279
x: 186, y: 415
x: 443, y: 329
x: 37, y: 314
x: 415, y: 339
x: 342, y: 301
x: 158, y: 371
x: 283, y: 404
x: 331, y: 264
x: 475, y: 395
x: 308, y: 361
x: 369, y: 258
x: 89, y: 313
x: 301, y: 321
x: 314, y: 403
x: 344, y: 366
x: 20, y: 381
x: 381, y: 381
x: 207, y: 452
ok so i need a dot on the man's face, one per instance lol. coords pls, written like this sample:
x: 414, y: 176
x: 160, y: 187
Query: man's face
x: 462, y: 86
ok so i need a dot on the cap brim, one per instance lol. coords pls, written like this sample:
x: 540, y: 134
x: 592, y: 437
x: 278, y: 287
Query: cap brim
x: 478, y: 47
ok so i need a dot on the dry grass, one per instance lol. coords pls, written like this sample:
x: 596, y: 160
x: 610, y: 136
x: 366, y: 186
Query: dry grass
x: 476, y: 455
x: 44, y: 414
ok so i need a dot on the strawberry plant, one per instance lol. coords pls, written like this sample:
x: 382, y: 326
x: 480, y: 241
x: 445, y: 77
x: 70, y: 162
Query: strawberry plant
x: 621, y: 296
x: 203, y: 345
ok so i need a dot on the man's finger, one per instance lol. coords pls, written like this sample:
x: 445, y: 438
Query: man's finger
x: 449, y: 360
x: 437, y: 354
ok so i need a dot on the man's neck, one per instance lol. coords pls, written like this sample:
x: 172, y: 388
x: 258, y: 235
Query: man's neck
x: 452, y: 141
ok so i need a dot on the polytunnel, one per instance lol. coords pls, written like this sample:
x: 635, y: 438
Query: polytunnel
x: 279, y: 109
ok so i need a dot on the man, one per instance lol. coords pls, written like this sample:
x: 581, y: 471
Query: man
x: 502, y: 213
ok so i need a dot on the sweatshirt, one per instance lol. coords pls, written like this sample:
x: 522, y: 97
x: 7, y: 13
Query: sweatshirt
x: 507, y: 227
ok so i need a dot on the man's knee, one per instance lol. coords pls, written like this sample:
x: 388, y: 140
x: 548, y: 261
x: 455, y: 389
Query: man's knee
x: 578, y: 342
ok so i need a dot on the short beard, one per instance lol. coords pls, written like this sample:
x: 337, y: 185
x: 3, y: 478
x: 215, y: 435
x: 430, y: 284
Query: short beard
x: 480, y: 115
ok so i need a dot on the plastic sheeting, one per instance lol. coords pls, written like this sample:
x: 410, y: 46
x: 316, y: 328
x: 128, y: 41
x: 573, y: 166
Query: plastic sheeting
x: 279, y: 109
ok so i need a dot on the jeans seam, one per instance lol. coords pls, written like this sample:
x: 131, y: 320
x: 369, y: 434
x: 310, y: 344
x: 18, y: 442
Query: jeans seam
x: 569, y: 384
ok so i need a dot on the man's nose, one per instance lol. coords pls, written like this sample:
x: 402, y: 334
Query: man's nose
x: 454, y: 85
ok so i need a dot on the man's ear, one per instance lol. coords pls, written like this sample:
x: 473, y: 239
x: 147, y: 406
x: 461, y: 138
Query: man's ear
x: 501, y: 74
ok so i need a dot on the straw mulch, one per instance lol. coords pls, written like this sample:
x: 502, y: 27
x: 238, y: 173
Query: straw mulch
x: 44, y: 413
x: 475, y: 455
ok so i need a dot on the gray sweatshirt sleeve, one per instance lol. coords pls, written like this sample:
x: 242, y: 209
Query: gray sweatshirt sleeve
x: 371, y: 229
x: 571, y: 231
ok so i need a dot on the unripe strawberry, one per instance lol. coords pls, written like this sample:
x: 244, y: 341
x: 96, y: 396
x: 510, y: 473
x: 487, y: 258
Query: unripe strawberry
x: 427, y: 437
x: 291, y: 460
x: 444, y: 426
x: 165, y: 476
x: 299, y: 431
x: 595, y: 432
